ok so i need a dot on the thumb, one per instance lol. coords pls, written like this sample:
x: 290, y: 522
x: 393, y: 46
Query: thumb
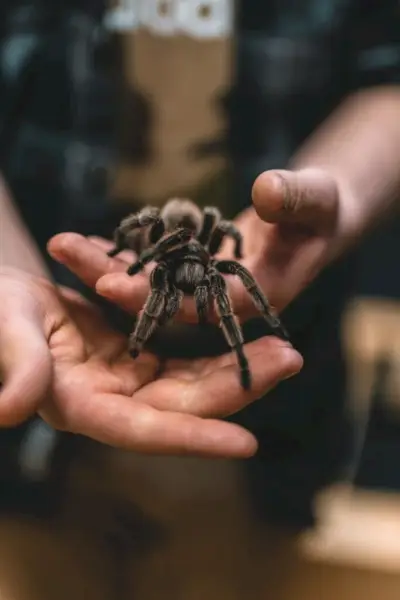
x: 25, y: 364
x: 306, y: 197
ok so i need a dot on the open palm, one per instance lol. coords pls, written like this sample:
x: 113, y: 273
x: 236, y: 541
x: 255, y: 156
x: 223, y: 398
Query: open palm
x: 75, y: 371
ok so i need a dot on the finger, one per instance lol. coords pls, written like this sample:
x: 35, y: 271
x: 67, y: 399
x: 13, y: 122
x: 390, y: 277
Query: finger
x: 308, y: 197
x: 127, y: 256
x: 100, y: 242
x: 130, y: 293
x: 119, y: 422
x: 84, y: 258
x: 25, y: 364
x: 217, y: 391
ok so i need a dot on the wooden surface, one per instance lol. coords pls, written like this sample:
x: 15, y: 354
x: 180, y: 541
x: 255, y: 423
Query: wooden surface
x: 357, y: 528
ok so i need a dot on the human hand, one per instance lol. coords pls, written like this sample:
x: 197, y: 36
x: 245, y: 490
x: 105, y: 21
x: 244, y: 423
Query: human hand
x: 59, y: 358
x: 288, y: 237
x: 300, y: 221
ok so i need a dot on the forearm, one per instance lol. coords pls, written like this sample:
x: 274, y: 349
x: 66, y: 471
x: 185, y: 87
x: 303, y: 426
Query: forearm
x: 17, y: 248
x: 360, y: 146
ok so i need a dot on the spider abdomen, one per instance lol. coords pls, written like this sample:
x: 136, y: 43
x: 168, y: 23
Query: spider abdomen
x: 189, y: 275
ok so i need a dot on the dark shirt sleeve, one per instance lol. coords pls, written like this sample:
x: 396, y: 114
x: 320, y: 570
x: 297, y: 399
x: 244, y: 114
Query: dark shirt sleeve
x: 374, y: 44
x: 375, y: 61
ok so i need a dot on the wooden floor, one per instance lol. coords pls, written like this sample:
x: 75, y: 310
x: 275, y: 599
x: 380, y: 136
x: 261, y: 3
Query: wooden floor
x: 146, y: 528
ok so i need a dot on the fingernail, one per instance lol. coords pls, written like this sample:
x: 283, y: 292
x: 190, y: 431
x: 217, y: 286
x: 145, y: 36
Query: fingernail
x: 104, y: 286
x: 291, y: 375
x: 270, y: 195
x: 58, y: 256
x: 283, y: 343
x: 282, y: 187
x: 294, y: 355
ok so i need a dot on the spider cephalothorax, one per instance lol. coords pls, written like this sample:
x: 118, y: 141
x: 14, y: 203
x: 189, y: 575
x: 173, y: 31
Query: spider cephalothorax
x: 183, y: 240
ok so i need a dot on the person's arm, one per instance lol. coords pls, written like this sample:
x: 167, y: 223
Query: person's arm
x: 359, y: 146
x: 17, y: 247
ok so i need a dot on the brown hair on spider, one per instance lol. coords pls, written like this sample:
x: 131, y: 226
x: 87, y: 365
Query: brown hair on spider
x: 182, y: 212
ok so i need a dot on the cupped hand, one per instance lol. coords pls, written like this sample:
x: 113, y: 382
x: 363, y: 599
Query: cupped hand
x: 59, y: 358
x: 289, y: 235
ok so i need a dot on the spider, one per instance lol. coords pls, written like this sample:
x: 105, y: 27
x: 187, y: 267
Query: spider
x: 183, y: 240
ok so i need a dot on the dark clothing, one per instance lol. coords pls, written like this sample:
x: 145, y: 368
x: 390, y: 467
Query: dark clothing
x: 58, y: 89
x: 378, y: 264
x: 294, y: 62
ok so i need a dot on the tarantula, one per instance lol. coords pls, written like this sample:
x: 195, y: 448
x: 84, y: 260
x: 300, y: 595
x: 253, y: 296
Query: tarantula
x: 183, y: 240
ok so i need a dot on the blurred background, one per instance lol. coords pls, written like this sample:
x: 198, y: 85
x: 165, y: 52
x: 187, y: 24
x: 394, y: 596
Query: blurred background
x: 105, y: 107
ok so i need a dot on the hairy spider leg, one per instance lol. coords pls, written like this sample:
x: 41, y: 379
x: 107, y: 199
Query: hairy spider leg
x: 230, y: 325
x: 211, y: 216
x: 125, y: 235
x: 223, y: 229
x: 173, y: 241
x: 119, y: 244
x: 173, y: 304
x: 152, y: 311
x: 202, y: 300
x: 230, y: 267
x: 134, y: 240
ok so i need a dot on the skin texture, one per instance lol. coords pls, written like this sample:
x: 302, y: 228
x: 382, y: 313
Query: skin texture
x: 77, y: 374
